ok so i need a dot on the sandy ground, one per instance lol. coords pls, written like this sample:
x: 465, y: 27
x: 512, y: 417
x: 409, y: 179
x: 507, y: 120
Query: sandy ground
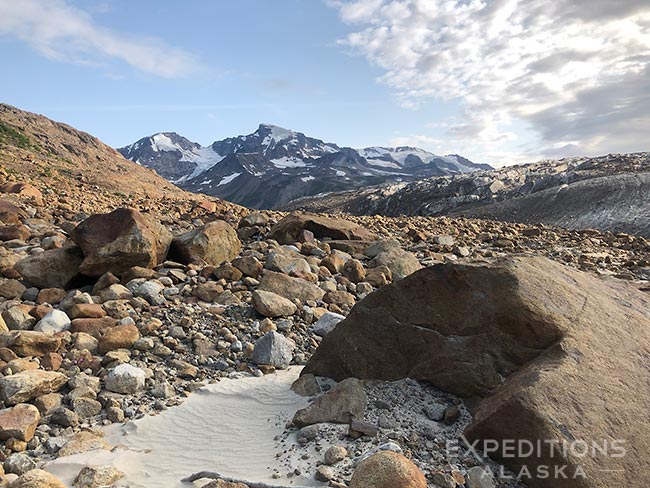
x: 229, y: 427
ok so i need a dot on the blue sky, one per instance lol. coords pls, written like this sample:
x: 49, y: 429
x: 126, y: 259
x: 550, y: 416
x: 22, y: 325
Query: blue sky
x: 354, y: 72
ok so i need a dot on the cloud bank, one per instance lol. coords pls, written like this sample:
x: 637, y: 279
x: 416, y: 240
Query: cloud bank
x: 62, y: 32
x: 534, y: 77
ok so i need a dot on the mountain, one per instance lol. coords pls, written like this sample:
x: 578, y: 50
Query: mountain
x: 607, y: 192
x: 272, y: 166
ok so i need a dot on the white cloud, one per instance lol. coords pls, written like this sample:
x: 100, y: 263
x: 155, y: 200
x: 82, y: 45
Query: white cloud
x: 63, y: 32
x: 575, y: 73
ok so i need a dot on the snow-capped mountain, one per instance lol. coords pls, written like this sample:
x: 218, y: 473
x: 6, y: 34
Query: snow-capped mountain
x: 272, y: 166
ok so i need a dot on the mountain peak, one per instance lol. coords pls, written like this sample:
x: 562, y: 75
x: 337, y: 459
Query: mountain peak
x: 274, y: 133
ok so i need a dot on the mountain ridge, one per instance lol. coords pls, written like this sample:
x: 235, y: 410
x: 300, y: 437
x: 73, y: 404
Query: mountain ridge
x: 273, y: 165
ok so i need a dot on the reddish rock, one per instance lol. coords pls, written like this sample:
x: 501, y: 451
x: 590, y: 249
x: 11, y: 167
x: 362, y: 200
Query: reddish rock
x: 87, y: 311
x: 118, y: 337
x: 23, y: 190
x: 30, y: 343
x: 19, y: 422
x: 51, y: 361
x: 288, y: 230
x: 10, y: 214
x: 51, y: 295
x: 387, y: 469
x: 14, y: 231
x: 119, y: 240
x: 94, y: 327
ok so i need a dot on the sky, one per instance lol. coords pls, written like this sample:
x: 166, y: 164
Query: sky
x: 497, y: 81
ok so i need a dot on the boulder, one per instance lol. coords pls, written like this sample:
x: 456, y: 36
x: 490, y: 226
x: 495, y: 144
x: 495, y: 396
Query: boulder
x: 343, y: 403
x: 273, y: 349
x: 37, y: 478
x: 213, y: 244
x: 14, y: 231
x: 290, y: 288
x: 84, y: 441
x: 55, y: 321
x: 97, y: 477
x: 327, y: 323
x: 288, y: 229
x: 118, y: 337
x: 12, y: 289
x: 401, y: 263
x: 120, y: 240
x: 51, y: 269
x: 23, y: 190
x: 27, y: 385
x: 30, y: 343
x: 126, y: 379
x: 19, y: 422
x: 387, y: 469
x: 269, y: 304
x: 10, y: 214
x: 545, y: 353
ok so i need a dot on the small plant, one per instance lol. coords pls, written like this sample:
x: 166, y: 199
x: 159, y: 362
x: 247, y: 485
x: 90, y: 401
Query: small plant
x: 9, y: 135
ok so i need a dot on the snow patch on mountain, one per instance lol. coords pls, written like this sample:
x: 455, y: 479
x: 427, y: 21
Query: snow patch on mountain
x: 227, y: 179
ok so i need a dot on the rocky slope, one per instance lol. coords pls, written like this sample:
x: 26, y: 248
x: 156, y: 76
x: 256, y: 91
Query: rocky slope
x: 273, y: 166
x: 607, y: 193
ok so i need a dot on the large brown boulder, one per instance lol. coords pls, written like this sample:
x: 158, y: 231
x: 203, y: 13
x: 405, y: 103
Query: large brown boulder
x: 19, y: 422
x: 214, y: 244
x: 120, y: 240
x: 30, y: 342
x: 51, y: 269
x: 288, y: 229
x: 387, y: 469
x: 10, y: 214
x: 290, y: 288
x: 545, y: 353
x: 37, y: 478
x: 27, y: 385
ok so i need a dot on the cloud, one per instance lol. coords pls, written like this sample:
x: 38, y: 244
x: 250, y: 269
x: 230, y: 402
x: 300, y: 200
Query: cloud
x: 61, y: 32
x: 573, y: 74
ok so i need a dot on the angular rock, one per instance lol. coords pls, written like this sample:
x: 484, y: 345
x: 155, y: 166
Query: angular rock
x: 327, y: 323
x: 290, y: 288
x: 401, y: 263
x: 125, y: 379
x: 84, y: 441
x: 12, y: 289
x: 213, y: 244
x: 19, y: 422
x: 10, y: 214
x: 387, y: 469
x: 37, y: 478
x: 118, y: 337
x: 119, y: 240
x: 54, y: 322
x: 25, y: 386
x: 51, y: 269
x: 269, y: 304
x: 18, y: 318
x: 540, y: 343
x: 30, y: 343
x: 288, y: 229
x: 273, y: 349
x: 343, y: 403
x: 97, y: 477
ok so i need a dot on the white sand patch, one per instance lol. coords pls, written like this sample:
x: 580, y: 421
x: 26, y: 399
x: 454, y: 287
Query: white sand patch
x: 228, y: 427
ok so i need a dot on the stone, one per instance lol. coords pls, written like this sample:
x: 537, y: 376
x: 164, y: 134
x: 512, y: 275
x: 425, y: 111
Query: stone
x: 306, y: 385
x: 54, y: 322
x: 269, y: 304
x: 119, y: 240
x: 287, y: 230
x: 435, y: 411
x: 522, y: 337
x: 118, y: 337
x: 346, y: 401
x: 87, y: 311
x: 24, y: 190
x: 387, y: 469
x: 11, y: 214
x: 273, y: 349
x: 208, y: 291
x: 227, y: 272
x: 48, y: 403
x: 354, y: 271
x: 64, y: 417
x: 324, y: 473
x: 401, y: 263
x: 18, y: 318
x: 12, y: 232
x: 25, y: 386
x: 51, y: 269
x: 212, y: 244
x: 151, y: 291
x: 86, y: 407
x: 12, y: 289
x: 30, y: 343
x: 444, y: 241
x: 335, y: 454
x: 37, y: 478
x: 94, y: 327
x: 19, y: 422
x: 327, y: 323
x: 479, y: 477
x: 341, y: 299
x: 287, y: 264
x: 248, y: 265
x: 19, y: 463
x: 290, y: 288
x: 82, y: 442
x: 125, y: 379
x: 115, y: 292
x: 333, y: 262
x: 51, y: 295
x: 97, y: 477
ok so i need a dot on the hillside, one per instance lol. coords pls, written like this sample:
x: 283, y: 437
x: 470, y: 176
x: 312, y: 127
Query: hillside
x: 77, y: 171
x: 607, y: 193
x: 272, y: 166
